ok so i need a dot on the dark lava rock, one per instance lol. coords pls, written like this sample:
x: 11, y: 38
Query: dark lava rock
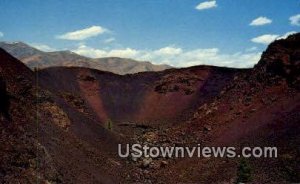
x: 282, y: 58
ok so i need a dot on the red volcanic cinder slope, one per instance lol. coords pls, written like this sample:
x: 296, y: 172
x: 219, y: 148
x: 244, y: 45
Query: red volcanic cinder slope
x: 66, y: 122
x: 148, y: 97
x: 258, y: 108
x: 17, y: 110
x: 202, y: 104
x: 42, y: 140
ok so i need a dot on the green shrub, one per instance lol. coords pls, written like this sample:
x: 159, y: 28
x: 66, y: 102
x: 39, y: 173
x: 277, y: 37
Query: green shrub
x: 244, y: 172
x: 109, y: 124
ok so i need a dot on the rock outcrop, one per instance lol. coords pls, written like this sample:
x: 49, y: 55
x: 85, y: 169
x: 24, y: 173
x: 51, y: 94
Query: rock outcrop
x: 282, y: 58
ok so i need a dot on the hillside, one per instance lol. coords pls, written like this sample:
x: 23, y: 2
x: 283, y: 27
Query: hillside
x: 258, y: 108
x: 67, y: 121
x: 35, y: 58
x: 151, y: 97
x: 42, y: 140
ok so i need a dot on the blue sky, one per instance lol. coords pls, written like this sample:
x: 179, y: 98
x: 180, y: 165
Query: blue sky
x: 176, y: 32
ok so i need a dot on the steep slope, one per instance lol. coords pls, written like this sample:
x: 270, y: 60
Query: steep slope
x: 84, y: 113
x: 282, y: 58
x: 35, y: 58
x: 18, y: 147
x: 260, y: 107
x: 208, y: 105
x: 150, y: 98
x: 43, y: 140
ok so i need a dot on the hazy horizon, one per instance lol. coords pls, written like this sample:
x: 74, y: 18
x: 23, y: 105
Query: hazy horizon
x: 175, y: 33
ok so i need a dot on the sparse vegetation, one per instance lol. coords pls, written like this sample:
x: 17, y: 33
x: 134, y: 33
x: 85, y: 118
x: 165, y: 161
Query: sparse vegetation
x: 290, y: 168
x: 54, y: 135
x: 244, y: 172
x: 109, y: 124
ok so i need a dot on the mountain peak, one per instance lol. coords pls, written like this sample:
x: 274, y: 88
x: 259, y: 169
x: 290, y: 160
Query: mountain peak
x: 15, y: 43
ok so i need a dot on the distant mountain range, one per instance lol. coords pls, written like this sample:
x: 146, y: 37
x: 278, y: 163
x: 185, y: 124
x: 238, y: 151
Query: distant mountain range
x: 33, y: 57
